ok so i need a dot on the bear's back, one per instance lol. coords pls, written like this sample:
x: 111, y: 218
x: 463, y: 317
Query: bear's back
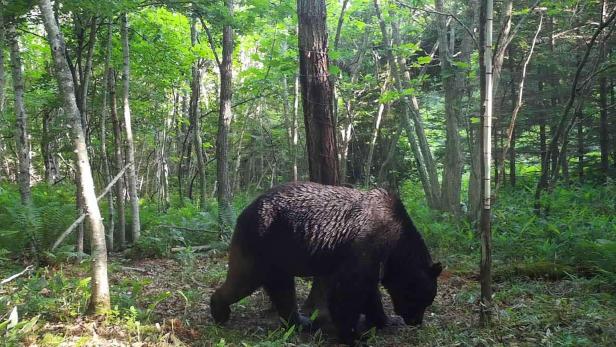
x: 325, y: 217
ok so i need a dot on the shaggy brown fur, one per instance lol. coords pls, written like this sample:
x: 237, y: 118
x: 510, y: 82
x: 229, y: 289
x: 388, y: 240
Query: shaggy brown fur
x: 339, y: 234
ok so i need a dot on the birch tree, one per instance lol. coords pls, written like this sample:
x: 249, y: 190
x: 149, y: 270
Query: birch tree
x: 100, y: 298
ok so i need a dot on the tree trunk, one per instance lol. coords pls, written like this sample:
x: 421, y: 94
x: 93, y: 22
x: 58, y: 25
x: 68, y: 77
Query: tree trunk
x: 485, y: 229
x: 195, y: 94
x: 317, y: 92
x: 117, y: 158
x: 132, y: 175
x: 294, y: 132
x: 452, y: 170
x: 85, y: 79
x: 580, y: 147
x: 604, y: 141
x: 412, y: 111
x: 51, y: 166
x: 374, y: 136
x: 21, y: 118
x: 4, y: 169
x: 225, y: 213
x: 512, y: 174
x: 99, y: 301
x: 428, y: 185
x: 104, y: 116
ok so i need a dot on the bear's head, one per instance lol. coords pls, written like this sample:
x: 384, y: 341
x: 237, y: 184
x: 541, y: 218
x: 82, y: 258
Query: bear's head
x: 410, y: 278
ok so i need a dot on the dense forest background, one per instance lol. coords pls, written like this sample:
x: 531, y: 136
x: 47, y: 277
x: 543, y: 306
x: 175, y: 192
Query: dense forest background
x: 181, y: 112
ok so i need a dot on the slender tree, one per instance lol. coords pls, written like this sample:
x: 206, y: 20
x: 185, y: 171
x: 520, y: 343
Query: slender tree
x: 225, y: 115
x: 195, y: 94
x: 104, y: 116
x: 100, y: 298
x: 117, y: 158
x: 130, y: 150
x: 21, y: 130
x: 485, y: 268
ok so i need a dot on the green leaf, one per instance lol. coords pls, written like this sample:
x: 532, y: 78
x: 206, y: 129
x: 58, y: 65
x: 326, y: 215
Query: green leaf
x: 426, y: 59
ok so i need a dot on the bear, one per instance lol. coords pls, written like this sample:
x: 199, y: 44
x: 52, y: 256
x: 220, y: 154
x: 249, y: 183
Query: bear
x: 351, y: 240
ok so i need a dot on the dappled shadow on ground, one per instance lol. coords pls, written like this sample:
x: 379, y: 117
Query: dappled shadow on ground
x: 172, y: 296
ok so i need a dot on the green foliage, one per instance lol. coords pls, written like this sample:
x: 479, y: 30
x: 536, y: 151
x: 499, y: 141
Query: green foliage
x: 41, y: 223
x: 577, y: 236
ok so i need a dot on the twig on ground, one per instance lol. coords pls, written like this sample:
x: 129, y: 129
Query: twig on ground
x: 9, y: 279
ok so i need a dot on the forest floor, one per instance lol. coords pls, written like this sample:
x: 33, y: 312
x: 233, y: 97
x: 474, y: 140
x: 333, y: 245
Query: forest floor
x: 164, y: 302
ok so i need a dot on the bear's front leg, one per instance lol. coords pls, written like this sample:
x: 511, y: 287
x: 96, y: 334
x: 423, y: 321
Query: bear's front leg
x: 373, y: 308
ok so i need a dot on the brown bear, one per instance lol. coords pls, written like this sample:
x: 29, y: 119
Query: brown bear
x: 341, y: 235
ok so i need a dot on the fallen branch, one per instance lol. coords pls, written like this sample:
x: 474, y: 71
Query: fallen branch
x: 83, y: 216
x: 194, y: 248
x: 133, y: 269
x: 9, y: 279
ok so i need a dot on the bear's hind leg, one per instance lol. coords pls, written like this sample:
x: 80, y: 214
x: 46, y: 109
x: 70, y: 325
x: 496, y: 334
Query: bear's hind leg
x: 281, y: 290
x: 242, y: 280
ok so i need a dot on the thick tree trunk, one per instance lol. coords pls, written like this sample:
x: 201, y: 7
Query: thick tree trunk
x: 225, y: 213
x: 99, y: 302
x: 317, y: 103
x: 21, y: 118
x: 118, y: 160
x: 317, y: 92
x: 132, y: 174
x: 104, y: 116
x: 195, y: 95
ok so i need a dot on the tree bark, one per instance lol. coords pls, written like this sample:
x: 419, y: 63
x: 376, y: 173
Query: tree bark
x: 51, y: 166
x: 295, y: 132
x: 317, y: 92
x: 132, y: 174
x: 452, y: 170
x: 21, y: 132
x: 485, y: 268
x: 99, y: 301
x: 580, y: 147
x: 225, y: 213
x: 195, y: 95
x: 4, y: 167
x: 604, y: 141
x: 117, y: 158
x: 104, y: 116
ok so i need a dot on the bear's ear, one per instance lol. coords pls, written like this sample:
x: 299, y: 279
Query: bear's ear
x: 436, y: 269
